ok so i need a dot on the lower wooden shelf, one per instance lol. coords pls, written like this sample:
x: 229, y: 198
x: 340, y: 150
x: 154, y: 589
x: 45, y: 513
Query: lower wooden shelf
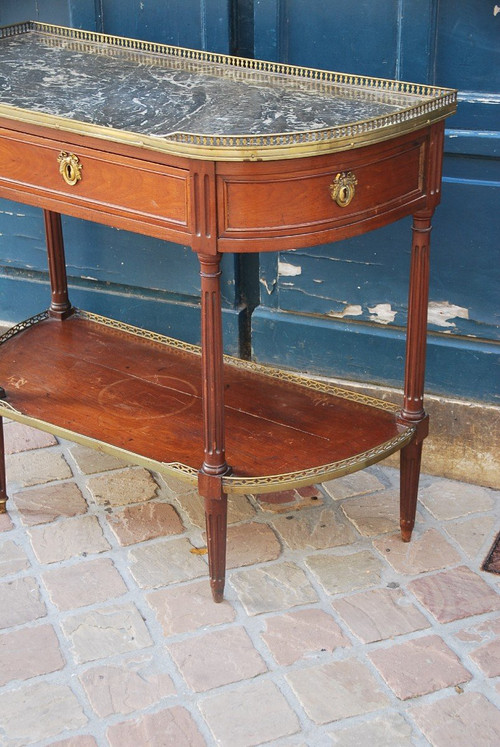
x: 137, y: 394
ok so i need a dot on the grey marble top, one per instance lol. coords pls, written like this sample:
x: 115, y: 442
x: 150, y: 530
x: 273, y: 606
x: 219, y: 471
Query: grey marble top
x: 171, y: 97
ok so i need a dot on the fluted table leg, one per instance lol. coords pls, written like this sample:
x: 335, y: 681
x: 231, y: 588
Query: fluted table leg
x: 413, y: 412
x: 214, y: 464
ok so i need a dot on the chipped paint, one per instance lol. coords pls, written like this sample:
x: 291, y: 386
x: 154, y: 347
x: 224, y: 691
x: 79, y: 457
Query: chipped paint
x: 348, y: 310
x: 268, y: 286
x: 382, y: 313
x: 285, y: 269
x: 440, y: 313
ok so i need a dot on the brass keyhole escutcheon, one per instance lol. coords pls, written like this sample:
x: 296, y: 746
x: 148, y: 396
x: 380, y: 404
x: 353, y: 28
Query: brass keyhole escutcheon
x: 343, y: 188
x: 69, y: 167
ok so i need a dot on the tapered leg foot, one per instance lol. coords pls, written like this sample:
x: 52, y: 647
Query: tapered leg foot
x: 216, y: 522
x: 409, y: 476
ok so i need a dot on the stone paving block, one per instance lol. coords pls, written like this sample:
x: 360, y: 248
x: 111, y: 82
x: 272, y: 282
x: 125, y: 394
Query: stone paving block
x: 12, y: 558
x: 122, y: 487
x: 389, y: 730
x: 107, y: 631
x: 337, y: 690
x: 420, y: 666
x: 459, y: 720
x: 190, y: 501
x: 217, y: 658
x: 43, y: 505
x: 429, y: 552
x: 249, y: 715
x: 37, y: 712
x: 251, y: 543
x: 91, y: 461
x: 165, y: 563
x: 342, y: 573
x: 471, y: 534
x: 379, y: 614
x: 20, y: 602
x: 85, y: 583
x: 5, y: 522
x: 28, y: 652
x: 447, y: 499
x: 172, y: 727
x: 183, y: 609
x: 37, y: 467
x: 301, y: 635
x: 133, y: 685
x: 374, y: 514
x: 272, y: 588
x: 144, y: 522
x: 67, y: 539
x: 20, y: 437
x: 289, y: 500
x: 487, y: 658
x: 316, y: 529
x: 356, y: 484
x: 455, y: 594
x: 487, y: 654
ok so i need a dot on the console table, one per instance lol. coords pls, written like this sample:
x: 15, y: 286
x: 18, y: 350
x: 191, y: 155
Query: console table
x: 225, y: 155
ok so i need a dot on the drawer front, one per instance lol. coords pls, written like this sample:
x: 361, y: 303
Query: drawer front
x: 341, y: 191
x: 104, y: 183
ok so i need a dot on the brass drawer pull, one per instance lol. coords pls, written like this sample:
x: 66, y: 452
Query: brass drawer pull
x: 343, y: 187
x: 70, y: 167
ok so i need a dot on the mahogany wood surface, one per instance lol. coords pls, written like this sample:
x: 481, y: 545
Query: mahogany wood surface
x: 145, y: 397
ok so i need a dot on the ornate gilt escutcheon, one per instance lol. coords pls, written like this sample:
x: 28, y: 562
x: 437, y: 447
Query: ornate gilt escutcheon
x: 69, y: 167
x: 343, y: 187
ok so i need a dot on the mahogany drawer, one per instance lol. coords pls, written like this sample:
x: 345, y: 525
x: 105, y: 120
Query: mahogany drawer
x: 131, y: 189
x: 293, y: 199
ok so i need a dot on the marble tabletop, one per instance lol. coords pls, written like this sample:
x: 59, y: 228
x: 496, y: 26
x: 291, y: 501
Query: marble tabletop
x: 162, y: 96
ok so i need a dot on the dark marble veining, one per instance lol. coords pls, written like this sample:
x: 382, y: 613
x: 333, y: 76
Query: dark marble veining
x: 157, y: 95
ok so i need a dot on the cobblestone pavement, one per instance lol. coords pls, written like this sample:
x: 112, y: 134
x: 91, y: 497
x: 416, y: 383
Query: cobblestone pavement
x: 333, y: 632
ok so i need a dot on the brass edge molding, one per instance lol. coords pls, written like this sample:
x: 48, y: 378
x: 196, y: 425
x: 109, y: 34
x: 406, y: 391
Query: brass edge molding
x: 175, y: 469
x: 439, y: 103
x: 301, y: 478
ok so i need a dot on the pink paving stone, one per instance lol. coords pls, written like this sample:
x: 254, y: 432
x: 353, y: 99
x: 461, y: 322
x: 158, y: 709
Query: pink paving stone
x: 251, y: 543
x: 131, y: 686
x: 379, y: 613
x: 19, y: 437
x: 487, y: 658
x: 85, y: 583
x: 122, y: 487
x: 419, y: 666
x: 144, y: 522
x: 316, y: 529
x: 5, y: 522
x: 455, y: 594
x: 464, y: 720
x: 337, y: 690
x: 182, y: 609
x: 430, y: 552
x: 12, y: 558
x: 217, y: 658
x: 249, y: 715
x: 67, y: 539
x: 29, y: 652
x: 301, y: 634
x: 20, y: 602
x: 37, y: 467
x: 43, y: 505
x: 173, y: 727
